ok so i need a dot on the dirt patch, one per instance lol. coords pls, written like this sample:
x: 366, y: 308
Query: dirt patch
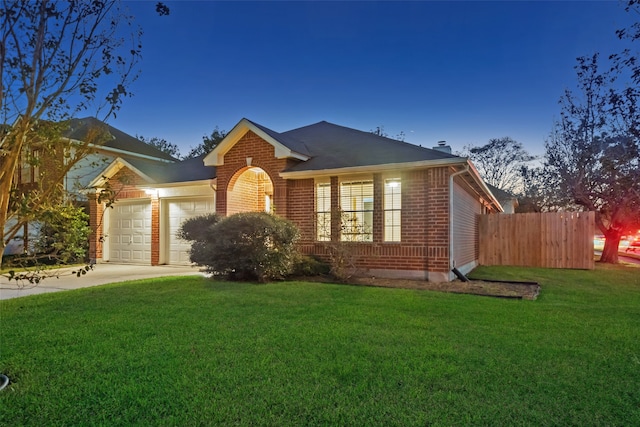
x: 518, y: 290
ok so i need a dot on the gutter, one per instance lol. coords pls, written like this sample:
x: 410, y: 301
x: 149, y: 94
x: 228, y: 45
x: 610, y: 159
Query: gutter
x: 118, y: 151
x: 321, y: 173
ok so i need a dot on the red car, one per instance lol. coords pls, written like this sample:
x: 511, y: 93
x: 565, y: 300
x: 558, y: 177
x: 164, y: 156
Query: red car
x: 634, y: 245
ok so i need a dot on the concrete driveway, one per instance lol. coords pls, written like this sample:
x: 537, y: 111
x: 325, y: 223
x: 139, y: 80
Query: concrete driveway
x: 101, y: 274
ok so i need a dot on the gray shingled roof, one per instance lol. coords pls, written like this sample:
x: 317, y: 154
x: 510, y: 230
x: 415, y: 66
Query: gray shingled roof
x: 183, y: 171
x: 501, y: 195
x: 288, y: 141
x: 114, y: 138
x: 332, y: 146
x: 188, y: 170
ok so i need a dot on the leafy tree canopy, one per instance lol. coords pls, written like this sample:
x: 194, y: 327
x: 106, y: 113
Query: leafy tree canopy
x: 209, y: 142
x: 500, y: 163
x: 593, y: 155
x: 161, y: 144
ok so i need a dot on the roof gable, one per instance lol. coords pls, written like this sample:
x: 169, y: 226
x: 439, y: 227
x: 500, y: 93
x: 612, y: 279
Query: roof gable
x: 112, y: 170
x: 285, y: 146
x: 154, y: 172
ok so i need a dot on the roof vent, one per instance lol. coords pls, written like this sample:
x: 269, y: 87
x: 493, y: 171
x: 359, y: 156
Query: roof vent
x: 442, y: 146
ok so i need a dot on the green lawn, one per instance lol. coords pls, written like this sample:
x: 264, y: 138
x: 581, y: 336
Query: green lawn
x: 187, y: 351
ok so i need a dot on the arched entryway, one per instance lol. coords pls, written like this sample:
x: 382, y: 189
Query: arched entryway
x: 250, y: 190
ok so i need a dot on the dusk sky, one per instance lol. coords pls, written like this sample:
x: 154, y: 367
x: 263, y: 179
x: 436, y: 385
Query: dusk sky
x: 463, y: 72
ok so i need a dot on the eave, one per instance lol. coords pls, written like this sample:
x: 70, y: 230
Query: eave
x: 216, y: 157
x: 387, y: 167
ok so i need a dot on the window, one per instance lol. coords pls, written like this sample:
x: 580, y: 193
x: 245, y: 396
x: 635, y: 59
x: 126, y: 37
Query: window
x: 392, y: 209
x: 323, y: 212
x: 356, y: 204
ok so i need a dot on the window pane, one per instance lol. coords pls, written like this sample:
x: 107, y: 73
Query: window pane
x: 323, y: 212
x: 356, y: 203
x: 392, y: 209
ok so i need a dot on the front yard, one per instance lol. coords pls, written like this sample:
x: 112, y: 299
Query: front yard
x: 188, y: 351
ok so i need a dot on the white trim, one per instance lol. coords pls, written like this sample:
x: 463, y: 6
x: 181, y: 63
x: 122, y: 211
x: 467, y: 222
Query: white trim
x: 216, y: 157
x: 388, y: 167
x: 113, y: 168
x: 119, y: 151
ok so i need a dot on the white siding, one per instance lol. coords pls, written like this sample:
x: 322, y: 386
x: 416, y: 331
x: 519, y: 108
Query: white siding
x: 466, y: 207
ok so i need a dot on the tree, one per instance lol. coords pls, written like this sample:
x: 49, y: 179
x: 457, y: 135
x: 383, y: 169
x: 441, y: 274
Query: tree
x: 209, y: 142
x: 161, y: 144
x: 594, y: 152
x: 500, y: 163
x: 244, y: 246
x: 57, y: 59
x: 628, y: 60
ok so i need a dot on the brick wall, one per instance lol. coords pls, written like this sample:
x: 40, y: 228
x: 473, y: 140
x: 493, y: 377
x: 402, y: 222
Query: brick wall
x: 437, y: 213
x: 235, y: 163
x: 123, y: 182
x: 96, y: 215
x: 155, y: 230
x: 243, y: 192
x: 302, y: 207
x: 424, y: 245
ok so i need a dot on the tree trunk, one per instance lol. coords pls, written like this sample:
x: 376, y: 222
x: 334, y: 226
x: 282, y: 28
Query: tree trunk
x: 610, y: 251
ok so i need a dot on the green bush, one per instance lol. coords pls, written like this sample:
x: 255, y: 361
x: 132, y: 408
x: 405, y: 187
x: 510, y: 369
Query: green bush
x: 245, y: 246
x: 307, y: 265
x: 64, y: 234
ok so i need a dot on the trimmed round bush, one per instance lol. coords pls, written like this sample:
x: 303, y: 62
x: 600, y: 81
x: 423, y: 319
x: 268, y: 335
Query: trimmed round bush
x: 245, y: 246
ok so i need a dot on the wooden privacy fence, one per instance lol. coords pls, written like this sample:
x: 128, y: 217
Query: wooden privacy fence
x: 552, y: 240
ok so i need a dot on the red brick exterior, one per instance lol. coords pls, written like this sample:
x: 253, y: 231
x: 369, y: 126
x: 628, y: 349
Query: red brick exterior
x: 235, y: 163
x: 155, y: 230
x: 124, y: 184
x: 424, y: 245
x: 96, y: 216
x: 422, y: 252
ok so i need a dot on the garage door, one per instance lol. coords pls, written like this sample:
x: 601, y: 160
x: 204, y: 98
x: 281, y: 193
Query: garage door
x: 180, y: 211
x: 130, y: 233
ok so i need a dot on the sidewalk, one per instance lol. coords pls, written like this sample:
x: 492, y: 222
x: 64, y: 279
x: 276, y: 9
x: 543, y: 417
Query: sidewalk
x: 100, y: 275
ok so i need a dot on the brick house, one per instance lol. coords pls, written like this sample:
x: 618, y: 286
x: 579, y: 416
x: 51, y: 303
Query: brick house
x: 405, y: 211
x: 101, y: 145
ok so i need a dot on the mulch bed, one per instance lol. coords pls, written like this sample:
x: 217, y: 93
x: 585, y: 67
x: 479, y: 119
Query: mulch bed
x: 517, y: 290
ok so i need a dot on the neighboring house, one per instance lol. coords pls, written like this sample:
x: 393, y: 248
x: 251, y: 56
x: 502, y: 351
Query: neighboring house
x: 110, y: 144
x: 508, y: 201
x: 403, y: 211
x: 105, y: 144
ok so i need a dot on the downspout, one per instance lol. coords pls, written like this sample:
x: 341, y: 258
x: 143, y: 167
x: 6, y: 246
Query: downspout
x: 452, y: 262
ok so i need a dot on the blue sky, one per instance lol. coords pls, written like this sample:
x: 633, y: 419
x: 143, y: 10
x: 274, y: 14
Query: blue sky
x: 463, y: 72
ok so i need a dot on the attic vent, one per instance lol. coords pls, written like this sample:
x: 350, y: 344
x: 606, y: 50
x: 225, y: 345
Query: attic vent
x: 443, y: 147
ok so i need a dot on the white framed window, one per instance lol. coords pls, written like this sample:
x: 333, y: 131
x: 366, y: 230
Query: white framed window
x: 323, y: 211
x: 392, y: 209
x: 356, y: 205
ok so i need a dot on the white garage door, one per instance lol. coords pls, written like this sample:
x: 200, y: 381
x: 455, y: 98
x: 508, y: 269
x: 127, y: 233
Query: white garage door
x: 180, y: 211
x: 130, y: 232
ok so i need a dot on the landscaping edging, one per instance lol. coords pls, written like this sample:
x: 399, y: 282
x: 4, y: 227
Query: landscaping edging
x: 483, y: 287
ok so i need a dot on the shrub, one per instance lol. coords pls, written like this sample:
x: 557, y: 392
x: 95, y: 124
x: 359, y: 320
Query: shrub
x: 245, y: 246
x: 64, y: 234
x: 342, y: 261
x: 307, y: 265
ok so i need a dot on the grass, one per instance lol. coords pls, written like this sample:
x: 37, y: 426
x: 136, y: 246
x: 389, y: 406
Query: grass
x: 188, y: 351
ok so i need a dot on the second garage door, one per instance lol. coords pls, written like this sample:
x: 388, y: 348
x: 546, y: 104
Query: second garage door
x: 178, y: 212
